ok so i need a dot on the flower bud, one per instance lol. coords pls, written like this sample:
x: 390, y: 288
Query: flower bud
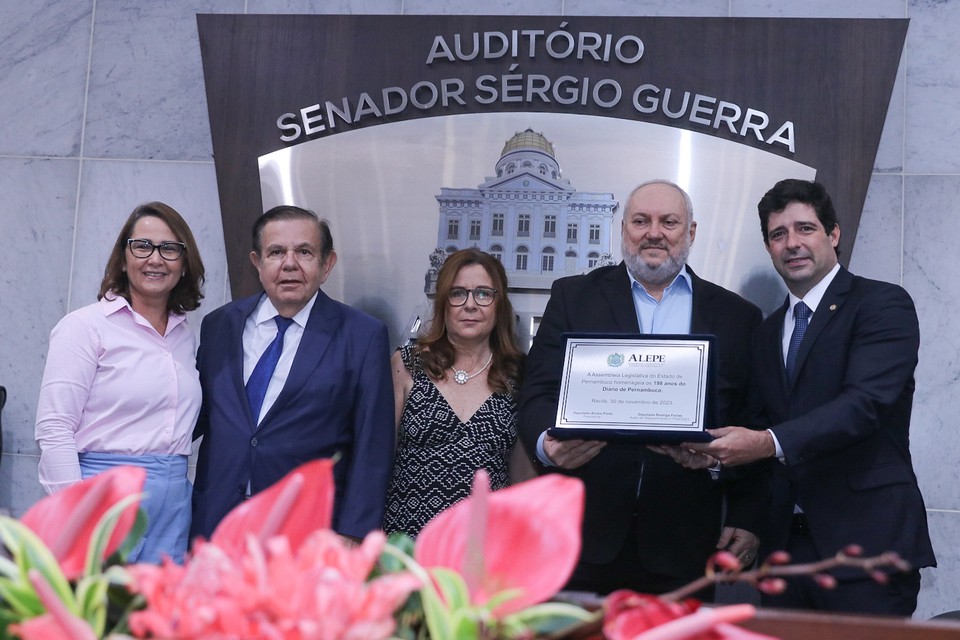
x: 778, y: 558
x: 880, y: 577
x: 825, y: 580
x: 623, y: 599
x: 772, y: 586
x: 853, y: 550
x: 725, y: 561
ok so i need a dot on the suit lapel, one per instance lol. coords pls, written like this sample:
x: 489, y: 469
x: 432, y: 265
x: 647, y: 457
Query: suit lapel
x: 832, y: 300
x: 234, y: 340
x: 322, y: 325
x: 770, y: 344
x: 703, y: 313
x: 624, y: 312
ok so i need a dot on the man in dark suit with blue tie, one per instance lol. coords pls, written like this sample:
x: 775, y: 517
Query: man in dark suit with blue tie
x: 833, y: 370
x: 290, y: 375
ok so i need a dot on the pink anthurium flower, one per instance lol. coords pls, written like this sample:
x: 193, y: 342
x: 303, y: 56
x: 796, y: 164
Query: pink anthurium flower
x: 65, y: 521
x: 294, y: 507
x: 524, y: 538
x: 637, y: 616
x: 707, y: 624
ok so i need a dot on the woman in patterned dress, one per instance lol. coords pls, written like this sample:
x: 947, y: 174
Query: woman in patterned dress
x: 455, y: 395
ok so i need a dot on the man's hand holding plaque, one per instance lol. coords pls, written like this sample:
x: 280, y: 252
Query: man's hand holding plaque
x: 570, y: 454
x: 686, y: 456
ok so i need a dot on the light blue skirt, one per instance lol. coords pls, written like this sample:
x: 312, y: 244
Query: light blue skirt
x: 166, y: 501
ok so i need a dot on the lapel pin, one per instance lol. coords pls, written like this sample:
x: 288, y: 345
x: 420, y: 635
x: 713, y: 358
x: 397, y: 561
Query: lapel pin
x: 833, y: 307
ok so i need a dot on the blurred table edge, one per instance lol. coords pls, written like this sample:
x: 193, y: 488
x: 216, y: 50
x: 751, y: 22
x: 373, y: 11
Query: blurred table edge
x: 804, y: 625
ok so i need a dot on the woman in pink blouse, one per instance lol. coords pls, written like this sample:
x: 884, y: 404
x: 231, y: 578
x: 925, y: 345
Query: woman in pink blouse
x: 120, y: 384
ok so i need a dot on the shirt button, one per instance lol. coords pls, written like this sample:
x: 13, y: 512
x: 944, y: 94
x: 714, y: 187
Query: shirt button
x: 253, y: 442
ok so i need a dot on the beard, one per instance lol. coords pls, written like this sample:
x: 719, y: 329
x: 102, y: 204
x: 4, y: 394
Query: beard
x: 660, y: 274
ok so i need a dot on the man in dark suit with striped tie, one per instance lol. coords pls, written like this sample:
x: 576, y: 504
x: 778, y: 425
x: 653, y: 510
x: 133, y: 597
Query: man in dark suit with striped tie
x: 833, y: 371
x: 290, y: 375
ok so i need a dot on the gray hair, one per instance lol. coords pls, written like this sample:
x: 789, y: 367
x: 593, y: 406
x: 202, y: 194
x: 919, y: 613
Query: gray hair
x: 687, y: 203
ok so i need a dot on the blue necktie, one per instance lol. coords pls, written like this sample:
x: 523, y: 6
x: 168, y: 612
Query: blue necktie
x: 260, y: 378
x: 801, y: 314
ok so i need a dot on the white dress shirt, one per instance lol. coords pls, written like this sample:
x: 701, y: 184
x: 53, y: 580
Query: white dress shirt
x: 812, y: 300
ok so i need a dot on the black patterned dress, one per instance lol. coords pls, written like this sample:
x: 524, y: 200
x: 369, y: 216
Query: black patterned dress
x: 437, y: 454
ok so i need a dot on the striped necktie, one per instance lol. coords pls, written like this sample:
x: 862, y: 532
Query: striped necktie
x: 260, y: 378
x: 801, y: 315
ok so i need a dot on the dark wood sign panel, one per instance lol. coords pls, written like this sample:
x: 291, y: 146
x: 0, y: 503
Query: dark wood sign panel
x: 813, y: 90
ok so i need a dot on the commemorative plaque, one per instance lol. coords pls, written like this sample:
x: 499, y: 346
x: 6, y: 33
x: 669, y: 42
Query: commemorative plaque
x: 651, y: 388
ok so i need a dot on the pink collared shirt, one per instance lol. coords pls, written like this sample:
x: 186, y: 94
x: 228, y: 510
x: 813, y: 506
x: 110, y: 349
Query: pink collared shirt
x: 113, y: 384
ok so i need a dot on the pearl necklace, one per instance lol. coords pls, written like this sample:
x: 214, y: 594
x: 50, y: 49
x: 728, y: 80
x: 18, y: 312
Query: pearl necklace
x: 461, y: 377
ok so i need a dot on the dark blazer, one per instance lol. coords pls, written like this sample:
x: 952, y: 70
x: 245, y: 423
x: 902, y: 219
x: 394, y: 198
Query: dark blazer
x: 844, y: 422
x: 338, y: 400
x: 683, y: 507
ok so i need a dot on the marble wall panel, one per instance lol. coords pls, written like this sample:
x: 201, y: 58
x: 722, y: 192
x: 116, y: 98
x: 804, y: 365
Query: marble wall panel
x: 38, y: 198
x: 43, y: 74
x: 146, y: 96
x: 489, y: 7
x: 932, y: 122
x: 818, y: 9
x: 345, y: 7
x: 19, y: 483
x: 931, y: 237
x: 878, y: 250
x: 689, y: 8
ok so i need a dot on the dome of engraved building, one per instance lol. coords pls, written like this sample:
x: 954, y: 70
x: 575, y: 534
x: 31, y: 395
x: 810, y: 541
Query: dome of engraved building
x: 528, y: 140
x: 529, y: 152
